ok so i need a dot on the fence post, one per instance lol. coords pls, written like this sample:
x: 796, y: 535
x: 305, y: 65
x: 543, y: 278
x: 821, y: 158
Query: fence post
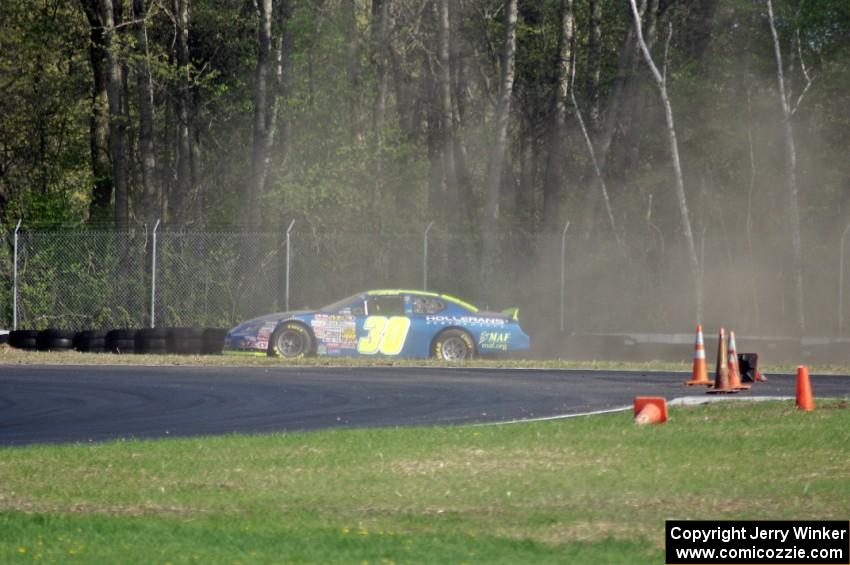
x: 563, y: 270
x: 425, y: 257
x: 15, y: 280
x: 841, y: 283
x: 288, y: 259
x: 153, y: 276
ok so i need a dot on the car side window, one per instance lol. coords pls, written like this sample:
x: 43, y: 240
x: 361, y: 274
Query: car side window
x: 385, y: 306
x: 427, y: 305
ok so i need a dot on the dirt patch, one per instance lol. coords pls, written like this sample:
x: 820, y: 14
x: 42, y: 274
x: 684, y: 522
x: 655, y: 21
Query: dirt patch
x: 34, y: 506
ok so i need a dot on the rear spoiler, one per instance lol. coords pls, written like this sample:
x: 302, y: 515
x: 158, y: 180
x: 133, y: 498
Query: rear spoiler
x: 512, y: 313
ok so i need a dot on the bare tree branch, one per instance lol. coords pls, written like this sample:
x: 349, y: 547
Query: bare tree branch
x: 604, y: 188
x: 660, y: 81
x: 809, y: 79
x: 791, y: 177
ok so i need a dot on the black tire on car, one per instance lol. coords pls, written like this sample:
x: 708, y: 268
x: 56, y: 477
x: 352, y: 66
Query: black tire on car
x: 24, y: 339
x: 55, y: 340
x: 213, y: 341
x: 120, y: 341
x: 151, y: 341
x: 453, y: 345
x: 291, y: 340
x: 185, y: 341
x: 90, y: 341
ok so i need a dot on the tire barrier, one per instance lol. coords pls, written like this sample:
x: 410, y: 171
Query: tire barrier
x: 185, y: 341
x: 120, y: 341
x: 213, y: 341
x: 24, y: 339
x: 90, y: 341
x: 54, y: 340
x: 152, y: 341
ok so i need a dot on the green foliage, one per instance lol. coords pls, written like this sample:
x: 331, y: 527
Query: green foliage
x: 80, y: 280
x: 329, y: 162
x: 43, y: 109
x: 333, y: 166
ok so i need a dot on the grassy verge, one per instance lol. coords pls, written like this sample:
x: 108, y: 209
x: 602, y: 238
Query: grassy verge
x: 585, y: 490
x: 11, y: 356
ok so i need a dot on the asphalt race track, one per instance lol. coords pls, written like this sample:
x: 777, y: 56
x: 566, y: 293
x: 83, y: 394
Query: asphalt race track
x: 55, y: 404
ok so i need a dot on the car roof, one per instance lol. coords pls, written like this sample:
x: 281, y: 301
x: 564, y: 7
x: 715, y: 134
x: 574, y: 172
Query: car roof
x: 447, y: 297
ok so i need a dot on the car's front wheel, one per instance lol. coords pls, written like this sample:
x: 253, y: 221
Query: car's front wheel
x: 454, y: 345
x: 290, y: 340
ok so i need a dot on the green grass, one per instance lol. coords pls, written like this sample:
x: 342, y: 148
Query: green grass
x: 11, y: 356
x: 584, y: 490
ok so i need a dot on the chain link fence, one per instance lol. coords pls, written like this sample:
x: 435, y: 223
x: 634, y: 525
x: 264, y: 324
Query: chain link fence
x: 217, y: 279
x: 77, y: 280
x: 560, y: 280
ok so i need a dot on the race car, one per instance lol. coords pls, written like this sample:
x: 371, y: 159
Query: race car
x: 389, y: 323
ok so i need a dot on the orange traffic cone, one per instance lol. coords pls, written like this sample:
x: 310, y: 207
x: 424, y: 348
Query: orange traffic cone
x: 805, y: 401
x: 650, y: 410
x: 735, y: 380
x: 700, y: 372
x: 721, y: 373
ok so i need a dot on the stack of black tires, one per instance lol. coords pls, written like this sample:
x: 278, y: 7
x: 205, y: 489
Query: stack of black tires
x: 186, y: 341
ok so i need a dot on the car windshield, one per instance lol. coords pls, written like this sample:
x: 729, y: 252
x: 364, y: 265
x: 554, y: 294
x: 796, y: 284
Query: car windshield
x: 340, y: 304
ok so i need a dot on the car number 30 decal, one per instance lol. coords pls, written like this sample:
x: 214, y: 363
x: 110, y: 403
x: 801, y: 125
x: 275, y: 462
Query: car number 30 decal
x: 385, y: 335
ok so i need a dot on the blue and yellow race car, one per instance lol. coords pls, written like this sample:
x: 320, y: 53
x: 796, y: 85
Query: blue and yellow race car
x: 391, y: 323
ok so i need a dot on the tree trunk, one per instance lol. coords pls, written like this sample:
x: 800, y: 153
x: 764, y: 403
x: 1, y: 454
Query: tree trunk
x: 503, y: 114
x: 262, y: 109
x: 101, y: 203
x: 594, y: 71
x: 495, y: 168
x: 552, y: 191
x: 625, y: 72
x: 791, y: 179
x: 179, y: 198
x: 621, y: 246
x: 353, y: 66
x: 754, y: 287
x: 661, y: 83
x: 270, y: 63
x: 284, y: 78
x: 117, y: 124
x: 633, y: 118
x: 150, y: 191
x: 465, y: 180
x: 408, y: 125
x: 526, y: 196
x: 449, y: 196
x: 381, y: 25
x: 380, y: 43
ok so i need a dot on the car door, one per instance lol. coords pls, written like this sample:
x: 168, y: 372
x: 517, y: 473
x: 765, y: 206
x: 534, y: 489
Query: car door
x: 425, y: 311
x: 383, y: 327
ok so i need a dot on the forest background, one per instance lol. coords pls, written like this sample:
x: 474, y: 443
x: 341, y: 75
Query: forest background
x: 713, y: 182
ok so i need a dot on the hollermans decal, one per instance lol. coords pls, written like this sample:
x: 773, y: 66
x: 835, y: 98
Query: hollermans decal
x: 464, y: 321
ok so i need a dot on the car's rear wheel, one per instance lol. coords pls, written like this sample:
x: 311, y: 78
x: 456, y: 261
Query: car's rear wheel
x: 454, y: 345
x: 291, y: 340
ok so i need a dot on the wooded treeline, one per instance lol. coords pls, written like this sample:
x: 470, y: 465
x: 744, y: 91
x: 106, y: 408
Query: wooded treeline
x: 713, y: 115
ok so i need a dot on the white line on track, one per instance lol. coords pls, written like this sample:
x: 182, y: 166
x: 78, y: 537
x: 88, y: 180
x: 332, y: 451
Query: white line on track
x: 681, y: 401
